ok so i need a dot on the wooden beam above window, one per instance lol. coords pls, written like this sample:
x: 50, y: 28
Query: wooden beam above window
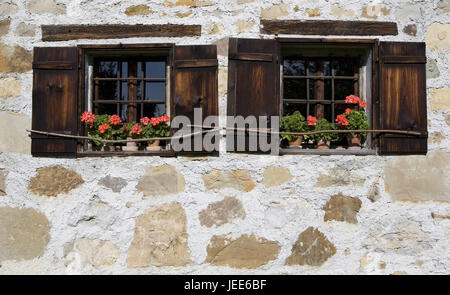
x: 328, y: 27
x: 74, y: 32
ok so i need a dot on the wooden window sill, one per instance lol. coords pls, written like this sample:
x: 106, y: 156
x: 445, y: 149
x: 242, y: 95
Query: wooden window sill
x: 330, y: 152
x: 162, y: 153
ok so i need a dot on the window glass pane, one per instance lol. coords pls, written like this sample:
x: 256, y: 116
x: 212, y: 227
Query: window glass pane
x: 290, y: 108
x: 110, y: 109
x: 155, y: 69
x: 155, y: 90
x: 107, y: 90
x: 313, y: 67
x: 327, y: 112
x: 340, y: 108
x: 154, y: 110
x: 124, y: 84
x: 293, y: 67
x: 343, y: 88
x: 327, y: 68
x: 343, y: 67
x: 139, y: 69
x: 294, y: 88
x: 123, y: 112
x: 311, y: 89
x: 327, y: 89
x: 108, y: 69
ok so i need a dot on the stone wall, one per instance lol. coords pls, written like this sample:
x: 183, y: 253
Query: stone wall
x: 207, y: 215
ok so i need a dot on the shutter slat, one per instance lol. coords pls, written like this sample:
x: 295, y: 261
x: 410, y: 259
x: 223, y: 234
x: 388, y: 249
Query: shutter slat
x: 403, y: 97
x: 195, y: 82
x: 253, y: 80
x: 252, y: 56
x: 55, y: 90
x: 196, y: 63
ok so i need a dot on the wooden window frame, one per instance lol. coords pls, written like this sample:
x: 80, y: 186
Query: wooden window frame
x: 83, y: 51
x: 373, y: 44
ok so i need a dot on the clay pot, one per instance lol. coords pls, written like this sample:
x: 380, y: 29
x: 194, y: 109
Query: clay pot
x: 131, y: 146
x: 153, y: 146
x: 354, y: 141
x: 323, y: 144
x: 297, y: 142
x: 108, y: 147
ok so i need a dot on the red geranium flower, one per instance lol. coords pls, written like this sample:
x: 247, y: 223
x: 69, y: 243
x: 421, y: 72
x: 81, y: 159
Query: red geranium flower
x: 88, y: 117
x: 311, y: 120
x: 348, y: 111
x: 155, y: 121
x: 136, y: 129
x: 145, y: 121
x: 114, y: 120
x: 363, y: 104
x: 103, y: 128
x: 165, y: 118
x: 124, y: 128
x: 342, y: 120
x: 352, y: 99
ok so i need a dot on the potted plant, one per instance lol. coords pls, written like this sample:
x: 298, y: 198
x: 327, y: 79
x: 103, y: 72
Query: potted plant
x: 293, y: 123
x: 116, y: 130
x: 97, y: 127
x: 323, y: 140
x: 155, y: 127
x: 132, y: 130
x: 354, y: 119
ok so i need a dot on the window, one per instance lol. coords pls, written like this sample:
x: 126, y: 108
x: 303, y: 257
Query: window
x: 276, y: 77
x: 131, y: 81
x: 131, y: 85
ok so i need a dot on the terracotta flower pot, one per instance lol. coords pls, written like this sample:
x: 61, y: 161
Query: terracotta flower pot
x: 153, y: 145
x: 354, y: 141
x: 131, y: 146
x: 297, y: 142
x: 323, y: 144
x: 108, y: 147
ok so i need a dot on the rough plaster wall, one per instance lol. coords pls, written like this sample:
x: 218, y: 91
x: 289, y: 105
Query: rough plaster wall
x: 278, y: 213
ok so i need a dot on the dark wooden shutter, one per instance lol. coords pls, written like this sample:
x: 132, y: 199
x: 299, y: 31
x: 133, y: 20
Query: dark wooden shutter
x: 253, y: 78
x: 403, y: 103
x: 195, y: 81
x: 55, y: 85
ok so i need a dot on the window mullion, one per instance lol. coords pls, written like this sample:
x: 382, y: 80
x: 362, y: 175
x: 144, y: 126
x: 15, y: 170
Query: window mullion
x: 319, y: 90
x: 307, y: 87
x: 132, y: 91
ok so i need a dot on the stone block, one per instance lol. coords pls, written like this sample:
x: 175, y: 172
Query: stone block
x: 54, y: 180
x: 9, y: 87
x: 275, y: 176
x: 13, y: 137
x: 160, y: 181
x: 243, y: 252
x: 238, y: 179
x: 311, y: 248
x: 419, y: 178
x: 46, y: 6
x: 222, y: 212
x: 15, y: 59
x: 160, y: 238
x: 342, y: 208
x: 24, y: 233
x: 274, y: 12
